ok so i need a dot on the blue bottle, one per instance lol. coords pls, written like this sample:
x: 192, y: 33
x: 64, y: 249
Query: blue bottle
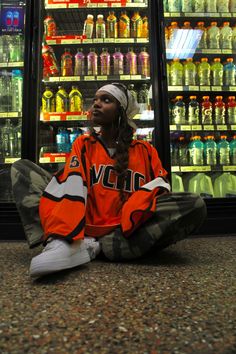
x: 223, y: 151
x: 63, y: 140
x: 229, y: 72
x: 74, y: 134
x: 210, y: 150
x: 232, y: 147
x: 196, y: 150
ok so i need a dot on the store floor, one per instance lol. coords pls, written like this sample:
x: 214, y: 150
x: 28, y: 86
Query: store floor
x: 181, y: 300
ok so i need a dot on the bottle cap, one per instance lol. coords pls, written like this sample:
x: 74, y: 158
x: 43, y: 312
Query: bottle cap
x: 214, y: 23
x: 219, y: 98
x: 179, y: 97
x: 176, y: 59
x: 226, y: 23
x: 189, y: 59
x: 204, y: 59
x: 206, y: 97
x: 231, y: 98
x: 223, y: 137
x: 217, y: 60
x: 193, y: 97
x: 230, y: 60
x: 90, y: 17
x: 99, y: 16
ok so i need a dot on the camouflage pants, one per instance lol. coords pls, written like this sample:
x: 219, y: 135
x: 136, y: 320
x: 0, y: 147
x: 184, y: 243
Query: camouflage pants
x: 177, y: 216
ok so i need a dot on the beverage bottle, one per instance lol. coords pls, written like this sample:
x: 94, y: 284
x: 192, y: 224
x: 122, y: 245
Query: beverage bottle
x: 217, y: 70
x: 61, y: 98
x: 8, y: 139
x: 132, y: 91
x: 206, y: 110
x: 232, y: 6
x: 100, y: 27
x: 145, y: 27
x: 210, y: 150
x: 144, y: 62
x: 231, y: 110
x: 230, y: 72
x: 63, y: 140
x: 136, y: 25
x: 112, y: 25
x: 79, y: 63
x: 186, y: 6
x: 226, y: 34
x: 88, y: 27
x: 9, y: 19
x: 131, y: 62
x: 5, y: 91
x: 2, y: 44
x: 182, y: 151
x: 232, y: 151
x: 204, y: 72
x: 66, y: 63
x: 48, y: 100
x: 50, y: 66
x: 179, y: 111
x: 16, y: 18
x: 124, y: 25
x: 190, y: 72
x: 105, y: 62
x: 75, y: 100
x: 15, y: 48
x: 222, y: 5
x: 199, y: 6
x: 193, y: 110
x: 223, y: 151
x: 92, y: 60
x: 172, y: 29
x: 176, y: 72
x: 165, y: 5
x: 203, y: 41
x: 74, y: 134
x: 17, y: 134
x: 219, y: 110
x: 17, y: 90
x: 50, y: 27
x: 196, y: 151
x: 201, y: 184
x: 186, y: 25
x: 177, y: 183
x: 143, y: 98
x: 174, y: 5
x: 118, y: 62
x: 211, y: 6
x: 213, y: 36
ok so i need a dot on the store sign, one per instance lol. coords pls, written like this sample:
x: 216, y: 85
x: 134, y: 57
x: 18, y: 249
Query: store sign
x: 12, y: 19
x: 85, y: 2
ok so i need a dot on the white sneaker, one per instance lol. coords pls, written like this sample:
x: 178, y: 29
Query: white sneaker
x: 93, y: 246
x: 59, y: 255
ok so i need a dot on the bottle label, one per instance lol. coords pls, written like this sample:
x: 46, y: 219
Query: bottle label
x: 207, y: 116
x: 232, y: 115
x: 219, y: 115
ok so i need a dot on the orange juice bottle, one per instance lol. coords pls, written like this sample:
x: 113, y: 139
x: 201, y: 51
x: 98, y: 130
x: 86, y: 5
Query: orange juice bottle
x: 136, y: 25
x: 112, y: 28
x: 124, y: 25
x: 145, y: 28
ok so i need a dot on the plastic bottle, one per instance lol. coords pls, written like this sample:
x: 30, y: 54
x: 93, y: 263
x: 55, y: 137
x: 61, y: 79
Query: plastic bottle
x: 222, y: 6
x: 230, y: 72
x: 105, y: 62
x: 196, y: 151
x: 186, y: 6
x: 213, y: 36
x: 176, y: 72
x: 202, y: 185
x: 231, y: 110
x: 48, y: 100
x: 203, y: 41
x: 223, y: 151
x: 204, y: 72
x: 145, y: 27
x: 211, y: 6
x: 219, y: 110
x: 182, y: 151
x: 92, y: 60
x: 112, y: 25
x: 17, y: 90
x: 226, y: 34
x: 124, y: 25
x: 63, y: 140
x: 136, y: 25
x: 66, y: 63
x: 232, y: 6
x: 193, y: 110
x: 131, y: 62
x: 133, y: 91
x: 75, y: 100
x: 190, y: 72
x: 100, y: 27
x: 179, y: 111
x: 8, y: 139
x: 234, y: 37
x: 172, y: 29
x: 5, y: 91
x: 199, y: 6
x: 61, y: 99
x: 174, y: 5
x: 79, y: 63
x: 143, y: 98
x: 144, y: 62
x: 17, y: 141
x: 50, y: 27
x: 232, y: 146
x: 50, y: 66
x: 206, y: 110
x: 210, y: 150
x: 217, y: 70
x: 176, y: 183
x: 16, y: 48
x: 225, y: 185
x: 186, y: 25
x: 165, y: 5
x: 88, y: 27
x: 118, y: 62
x: 74, y: 134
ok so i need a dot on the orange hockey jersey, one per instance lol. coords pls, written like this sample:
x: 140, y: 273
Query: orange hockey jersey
x: 83, y: 198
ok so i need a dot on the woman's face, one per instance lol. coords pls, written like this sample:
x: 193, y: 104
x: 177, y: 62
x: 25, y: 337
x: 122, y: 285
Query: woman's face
x: 105, y: 109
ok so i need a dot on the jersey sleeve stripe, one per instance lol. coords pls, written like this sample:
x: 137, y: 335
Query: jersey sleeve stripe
x: 157, y: 182
x: 59, y: 181
x: 66, y: 196
x: 73, y: 186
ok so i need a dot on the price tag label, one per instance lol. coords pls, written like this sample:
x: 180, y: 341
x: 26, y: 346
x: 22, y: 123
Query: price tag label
x: 175, y: 169
x: 51, y: 41
x: 123, y: 40
x: 67, y: 78
x: 102, y: 77
x: 173, y: 127
x: 110, y: 40
x: 166, y: 14
x: 208, y: 127
x: 233, y: 127
x: 102, y: 5
x: 221, y: 127
x: 225, y: 14
x: 60, y: 159
x: 89, y: 78
x: 204, y: 88
x: 44, y: 160
x: 87, y: 41
x: 3, y: 65
x: 196, y: 127
x: 198, y: 14
x: 98, y: 40
x: 175, y: 14
x: 229, y: 168
x: 3, y: 115
x: 232, y: 88
x: 212, y: 51
x: 115, y: 4
x: 125, y: 77
x: 92, y: 5
x: 185, y: 127
x: 55, y: 117
x: 135, y: 77
x: 73, y: 6
x: 216, y: 88
x: 193, y: 88
x: 12, y: 114
x: 11, y: 159
x: 56, y: 6
x: 54, y: 79
x: 142, y: 40
x: 226, y: 51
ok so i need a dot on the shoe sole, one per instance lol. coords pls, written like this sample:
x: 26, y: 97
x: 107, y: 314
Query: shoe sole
x: 38, y: 269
